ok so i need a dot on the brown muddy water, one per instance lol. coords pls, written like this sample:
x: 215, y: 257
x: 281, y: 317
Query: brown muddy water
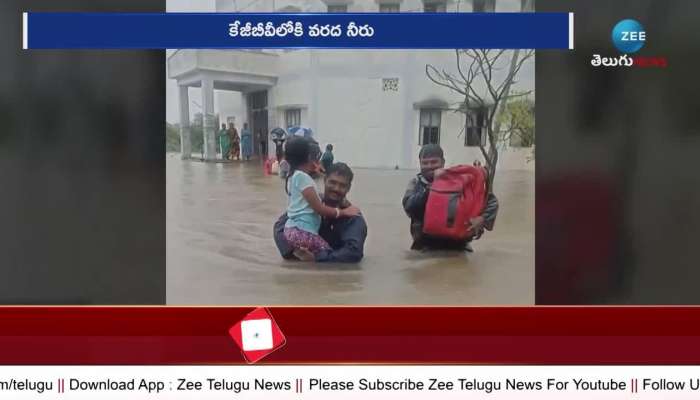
x: 220, y: 249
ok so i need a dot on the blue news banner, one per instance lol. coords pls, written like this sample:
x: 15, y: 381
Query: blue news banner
x: 243, y: 30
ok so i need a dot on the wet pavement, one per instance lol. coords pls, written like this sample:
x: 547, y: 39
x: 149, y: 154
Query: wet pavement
x: 220, y: 249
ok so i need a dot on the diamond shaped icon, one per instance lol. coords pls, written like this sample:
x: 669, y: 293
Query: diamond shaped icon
x: 257, y: 335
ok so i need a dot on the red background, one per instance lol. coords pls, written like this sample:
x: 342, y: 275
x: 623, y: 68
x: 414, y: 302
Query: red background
x: 422, y: 335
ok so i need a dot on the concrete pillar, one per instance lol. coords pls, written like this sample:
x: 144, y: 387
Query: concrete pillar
x: 208, y: 117
x: 271, y: 121
x: 185, y: 141
x: 247, y: 113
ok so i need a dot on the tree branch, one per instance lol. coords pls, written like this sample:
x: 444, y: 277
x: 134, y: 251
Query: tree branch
x: 461, y: 131
x: 511, y: 76
x: 521, y: 94
x: 459, y: 68
x: 487, y: 76
x: 483, y: 152
x: 429, y: 67
x: 449, y: 78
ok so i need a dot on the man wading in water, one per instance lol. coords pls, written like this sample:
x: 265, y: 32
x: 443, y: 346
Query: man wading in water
x: 346, y: 236
x: 432, y: 162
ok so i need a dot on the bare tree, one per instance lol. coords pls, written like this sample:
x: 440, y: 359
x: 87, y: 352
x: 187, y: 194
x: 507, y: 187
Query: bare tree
x: 483, y: 79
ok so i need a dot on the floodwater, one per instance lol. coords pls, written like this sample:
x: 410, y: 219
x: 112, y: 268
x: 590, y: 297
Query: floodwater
x: 220, y: 249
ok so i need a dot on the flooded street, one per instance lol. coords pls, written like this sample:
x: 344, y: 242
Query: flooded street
x: 220, y: 249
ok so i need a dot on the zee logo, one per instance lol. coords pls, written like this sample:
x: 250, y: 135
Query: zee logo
x: 633, y: 36
x: 629, y: 36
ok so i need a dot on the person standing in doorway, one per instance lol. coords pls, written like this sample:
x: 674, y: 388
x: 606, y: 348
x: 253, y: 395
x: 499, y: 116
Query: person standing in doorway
x: 246, y: 142
x: 235, y: 141
x: 327, y: 158
x: 224, y: 143
x: 263, y: 145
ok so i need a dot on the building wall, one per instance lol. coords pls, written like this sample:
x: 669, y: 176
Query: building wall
x: 341, y: 97
x: 370, y: 127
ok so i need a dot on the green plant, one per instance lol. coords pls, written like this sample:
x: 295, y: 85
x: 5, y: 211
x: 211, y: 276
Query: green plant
x: 172, y: 137
x: 517, y: 122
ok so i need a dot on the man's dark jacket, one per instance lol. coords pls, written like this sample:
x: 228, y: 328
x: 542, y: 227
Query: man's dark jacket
x: 346, y: 236
x: 414, y: 201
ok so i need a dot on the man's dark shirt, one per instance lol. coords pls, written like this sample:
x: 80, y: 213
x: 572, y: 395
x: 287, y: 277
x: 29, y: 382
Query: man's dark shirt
x: 346, y: 236
x: 414, y: 201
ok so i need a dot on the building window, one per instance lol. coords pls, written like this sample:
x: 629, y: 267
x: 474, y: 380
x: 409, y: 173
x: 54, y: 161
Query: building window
x: 476, y: 136
x: 434, y: 6
x: 477, y: 123
x: 390, y: 7
x: 484, y: 5
x: 429, y: 126
x: 292, y: 117
x: 338, y: 8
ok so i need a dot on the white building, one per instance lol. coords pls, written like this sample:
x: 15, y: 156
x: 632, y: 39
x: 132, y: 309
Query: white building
x: 375, y: 106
